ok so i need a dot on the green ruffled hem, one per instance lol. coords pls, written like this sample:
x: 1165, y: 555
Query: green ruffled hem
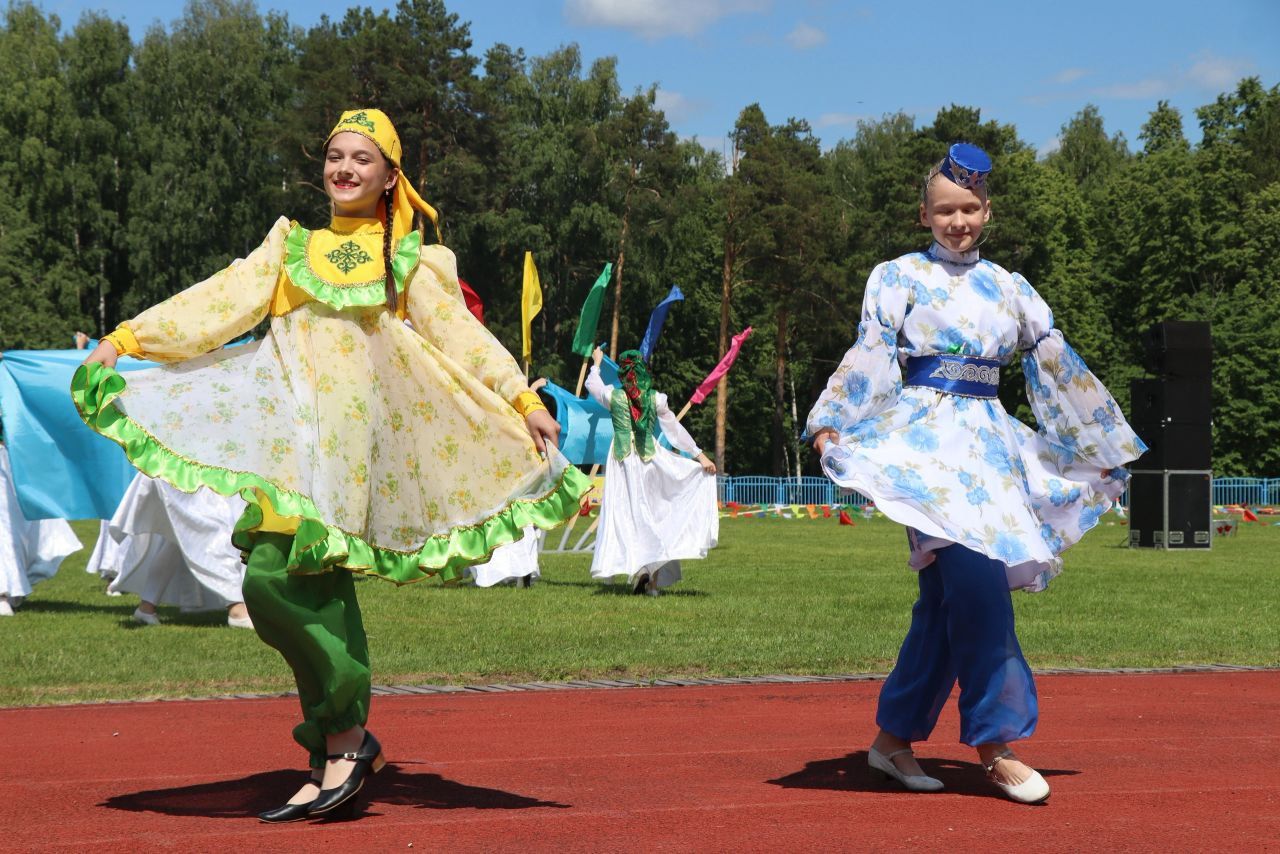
x: 319, y: 547
x: 300, y: 273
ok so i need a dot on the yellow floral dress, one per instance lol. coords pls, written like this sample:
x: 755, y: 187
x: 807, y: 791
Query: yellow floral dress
x: 384, y: 449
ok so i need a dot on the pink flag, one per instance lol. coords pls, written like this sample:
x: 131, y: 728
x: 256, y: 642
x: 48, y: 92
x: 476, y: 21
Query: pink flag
x: 709, y: 384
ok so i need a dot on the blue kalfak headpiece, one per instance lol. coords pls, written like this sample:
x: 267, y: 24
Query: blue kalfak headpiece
x: 966, y: 165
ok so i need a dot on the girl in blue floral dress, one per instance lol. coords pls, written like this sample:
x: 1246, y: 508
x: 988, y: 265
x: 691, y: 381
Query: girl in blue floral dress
x: 911, y: 420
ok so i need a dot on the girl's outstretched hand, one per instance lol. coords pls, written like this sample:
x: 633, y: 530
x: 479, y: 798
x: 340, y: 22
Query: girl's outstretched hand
x: 103, y: 354
x: 821, y: 439
x: 596, y: 356
x: 705, y: 461
x: 543, y: 429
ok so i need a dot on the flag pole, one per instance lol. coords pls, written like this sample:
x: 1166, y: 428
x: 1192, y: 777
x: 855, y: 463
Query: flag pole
x: 683, y: 411
x: 582, y: 378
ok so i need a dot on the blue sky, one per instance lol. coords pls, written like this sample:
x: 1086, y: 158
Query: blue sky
x: 1029, y: 63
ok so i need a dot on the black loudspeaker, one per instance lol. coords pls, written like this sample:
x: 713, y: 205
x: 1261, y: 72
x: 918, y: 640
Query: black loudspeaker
x: 1178, y: 348
x: 1170, y: 510
x: 1174, y: 445
x: 1188, y: 401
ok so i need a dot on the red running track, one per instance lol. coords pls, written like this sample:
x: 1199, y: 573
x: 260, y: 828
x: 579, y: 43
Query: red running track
x: 1166, y: 763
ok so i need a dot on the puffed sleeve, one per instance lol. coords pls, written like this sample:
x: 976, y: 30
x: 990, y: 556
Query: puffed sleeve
x: 600, y: 393
x: 439, y: 314
x: 208, y: 314
x: 1076, y: 413
x: 673, y: 429
x: 869, y: 378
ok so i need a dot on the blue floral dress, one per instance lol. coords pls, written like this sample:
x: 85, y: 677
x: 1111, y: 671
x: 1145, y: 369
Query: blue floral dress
x: 956, y: 469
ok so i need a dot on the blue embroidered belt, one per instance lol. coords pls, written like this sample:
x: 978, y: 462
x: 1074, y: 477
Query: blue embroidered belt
x: 967, y: 376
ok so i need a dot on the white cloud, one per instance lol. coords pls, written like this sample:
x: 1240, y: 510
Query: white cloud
x: 1217, y: 73
x: 677, y: 107
x: 1069, y: 75
x: 1205, y: 72
x: 831, y: 120
x: 655, y: 19
x: 1142, y: 90
x: 1051, y: 146
x: 805, y: 37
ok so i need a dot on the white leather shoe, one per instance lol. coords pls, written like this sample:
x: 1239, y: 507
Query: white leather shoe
x: 914, y: 782
x: 239, y: 622
x: 1032, y: 790
x: 141, y: 616
x: 6, y: 610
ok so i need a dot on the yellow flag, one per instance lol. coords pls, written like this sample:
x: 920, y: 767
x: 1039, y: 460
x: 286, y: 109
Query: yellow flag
x: 530, y: 303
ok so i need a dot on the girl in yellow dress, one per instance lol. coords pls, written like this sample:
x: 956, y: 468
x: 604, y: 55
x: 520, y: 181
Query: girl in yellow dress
x: 361, y: 444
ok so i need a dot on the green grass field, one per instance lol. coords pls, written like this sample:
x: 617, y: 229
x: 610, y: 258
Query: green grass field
x: 778, y: 596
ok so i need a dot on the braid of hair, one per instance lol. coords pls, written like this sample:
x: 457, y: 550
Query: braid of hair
x: 393, y: 300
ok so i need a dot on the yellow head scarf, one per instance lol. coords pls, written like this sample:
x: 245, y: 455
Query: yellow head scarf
x: 374, y: 125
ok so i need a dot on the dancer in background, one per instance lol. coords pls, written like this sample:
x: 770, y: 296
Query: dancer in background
x: 658, y: 508
x: 360, y: 445
x: 172, y: 548
x: 515, y: 563
x: 30, y: 552
x: 911, y: 420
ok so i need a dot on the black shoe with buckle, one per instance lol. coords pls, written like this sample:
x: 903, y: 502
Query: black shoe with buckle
x: 368, y: 760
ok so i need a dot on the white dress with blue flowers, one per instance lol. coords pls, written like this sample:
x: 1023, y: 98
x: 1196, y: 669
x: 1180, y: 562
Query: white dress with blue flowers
x: 957, y: 469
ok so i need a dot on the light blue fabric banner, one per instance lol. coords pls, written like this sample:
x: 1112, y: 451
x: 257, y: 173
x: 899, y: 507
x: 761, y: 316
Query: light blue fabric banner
x: 586, y: 432
x: 609, y: 372
x: 656, y: 319
x: 61, y: 468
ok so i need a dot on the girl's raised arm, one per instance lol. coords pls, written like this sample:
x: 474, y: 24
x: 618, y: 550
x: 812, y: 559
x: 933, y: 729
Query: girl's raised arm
x: 439, y: 314
x: 1076, y: 413
x: 869, y: 378
x: 208, y: 314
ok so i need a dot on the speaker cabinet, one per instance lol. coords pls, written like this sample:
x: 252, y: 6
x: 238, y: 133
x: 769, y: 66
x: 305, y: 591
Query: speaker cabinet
x: 1187, y: 401
x: 1170, y: 509
x: 1175, y: 445
x: 1178, y: 348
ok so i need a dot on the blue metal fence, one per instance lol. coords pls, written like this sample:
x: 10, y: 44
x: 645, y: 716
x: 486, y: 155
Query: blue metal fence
x: 758, y: 489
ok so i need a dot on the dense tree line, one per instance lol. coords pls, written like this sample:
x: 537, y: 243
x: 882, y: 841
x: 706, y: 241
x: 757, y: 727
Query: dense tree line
x: 134, y: 167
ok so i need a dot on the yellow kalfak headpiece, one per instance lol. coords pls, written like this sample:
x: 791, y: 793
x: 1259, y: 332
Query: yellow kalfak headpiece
x: 374, y: 125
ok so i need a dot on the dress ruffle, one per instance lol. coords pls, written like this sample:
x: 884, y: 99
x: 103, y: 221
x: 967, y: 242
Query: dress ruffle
x: 318, y: 545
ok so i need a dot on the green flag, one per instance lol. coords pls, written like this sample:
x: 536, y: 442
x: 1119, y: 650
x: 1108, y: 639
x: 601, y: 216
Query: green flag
x: 584, y: 340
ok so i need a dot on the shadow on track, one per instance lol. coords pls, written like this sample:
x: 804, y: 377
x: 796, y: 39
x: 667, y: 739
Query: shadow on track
x: 850, y: 773
x: 247, y: 796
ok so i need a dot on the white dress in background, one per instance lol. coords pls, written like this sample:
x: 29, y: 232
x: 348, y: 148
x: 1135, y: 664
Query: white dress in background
x: 30, y: 552
x: 511, y: 562
x: 653, y: 514
x: 172, y: 548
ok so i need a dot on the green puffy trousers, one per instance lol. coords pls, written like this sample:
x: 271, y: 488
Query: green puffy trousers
x: 314, y: 622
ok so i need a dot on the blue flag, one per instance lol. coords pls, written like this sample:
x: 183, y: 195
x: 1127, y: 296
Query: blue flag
x: 656, y: 319
x: 61, y: 468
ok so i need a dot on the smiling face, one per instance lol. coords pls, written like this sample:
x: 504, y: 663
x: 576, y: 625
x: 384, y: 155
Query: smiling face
x: 356, y: 174
x: 954, y: 214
